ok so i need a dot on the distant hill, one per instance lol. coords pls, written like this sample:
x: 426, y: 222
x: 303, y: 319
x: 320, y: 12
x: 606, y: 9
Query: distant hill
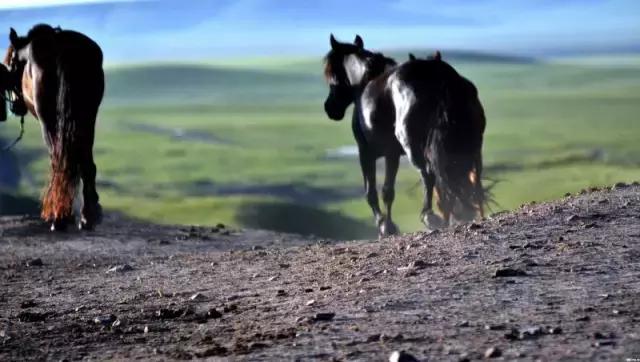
x: 461, y: 56
x: 240, y: 81
x: 193, y: 83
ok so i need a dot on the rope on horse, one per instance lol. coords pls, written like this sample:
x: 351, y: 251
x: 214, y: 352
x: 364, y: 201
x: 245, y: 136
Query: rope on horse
x: 16, y: 106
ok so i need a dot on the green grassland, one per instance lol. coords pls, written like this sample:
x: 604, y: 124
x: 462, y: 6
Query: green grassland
x: 245, y: 142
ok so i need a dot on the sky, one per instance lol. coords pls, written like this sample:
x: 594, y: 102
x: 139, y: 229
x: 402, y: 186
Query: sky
x: 157, y: 30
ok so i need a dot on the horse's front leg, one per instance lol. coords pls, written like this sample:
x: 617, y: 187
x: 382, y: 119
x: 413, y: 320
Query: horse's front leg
x: 368, y: 165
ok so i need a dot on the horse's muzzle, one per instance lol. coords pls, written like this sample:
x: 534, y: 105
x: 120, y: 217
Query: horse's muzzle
x: 333, y: 112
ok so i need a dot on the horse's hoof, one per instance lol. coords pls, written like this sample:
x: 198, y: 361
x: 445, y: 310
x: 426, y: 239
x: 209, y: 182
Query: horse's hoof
x: 86, y: 226
x: 433, y: 221
x: 386, y: 228
x: 59, y: 225
x: 91, y: 218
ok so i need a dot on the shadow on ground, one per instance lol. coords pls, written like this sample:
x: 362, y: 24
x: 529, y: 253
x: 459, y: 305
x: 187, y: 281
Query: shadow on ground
x: 17, y: 205
x: 304, y: 220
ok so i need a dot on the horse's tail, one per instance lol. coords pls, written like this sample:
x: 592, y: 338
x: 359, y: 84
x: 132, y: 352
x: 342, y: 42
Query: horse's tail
x: 65, y: 171
x: 454, y: 152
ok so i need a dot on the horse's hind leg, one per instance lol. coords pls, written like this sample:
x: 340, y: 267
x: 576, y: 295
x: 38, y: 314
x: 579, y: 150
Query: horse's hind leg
x: 414, y: 144
x: 91, y: 209
x: 388, y: 193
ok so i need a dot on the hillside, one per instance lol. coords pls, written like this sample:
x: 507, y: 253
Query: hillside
x: 553, y: 281
x: 246, y: 142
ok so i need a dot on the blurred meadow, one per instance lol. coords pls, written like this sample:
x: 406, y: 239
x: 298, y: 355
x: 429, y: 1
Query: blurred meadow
x: 244, y: 140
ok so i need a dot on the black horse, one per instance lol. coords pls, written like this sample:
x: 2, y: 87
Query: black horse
x: 356, y: 75
x: 422, y: 108
x: 62, y: 84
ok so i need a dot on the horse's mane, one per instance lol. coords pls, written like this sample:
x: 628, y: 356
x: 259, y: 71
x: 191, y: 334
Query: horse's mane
x: 41, y: 30
x: 377, y: 62
x: 8, y: 55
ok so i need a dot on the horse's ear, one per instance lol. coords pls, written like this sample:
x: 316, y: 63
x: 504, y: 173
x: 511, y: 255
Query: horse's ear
x: 412, y: 57
x: 437, y: 55
x: 13, y: 36
x: 359, y: 42
x: 334, y: 42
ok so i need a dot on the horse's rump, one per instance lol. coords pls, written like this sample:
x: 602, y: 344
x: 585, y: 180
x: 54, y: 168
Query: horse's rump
x: 454, y: 149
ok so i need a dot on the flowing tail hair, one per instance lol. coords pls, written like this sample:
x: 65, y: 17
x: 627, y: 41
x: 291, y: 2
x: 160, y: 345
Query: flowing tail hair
x: 455, y: 157
x: 65, y: 172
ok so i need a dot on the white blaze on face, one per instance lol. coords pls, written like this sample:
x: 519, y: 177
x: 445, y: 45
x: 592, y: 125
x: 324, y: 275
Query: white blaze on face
x: 355, y: 69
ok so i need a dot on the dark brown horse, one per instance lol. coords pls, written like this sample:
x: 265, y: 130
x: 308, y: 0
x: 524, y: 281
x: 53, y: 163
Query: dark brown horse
x: 422, y: 108
x: 62, y: 86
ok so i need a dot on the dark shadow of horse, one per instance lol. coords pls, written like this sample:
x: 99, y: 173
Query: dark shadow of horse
x: 422, y: 108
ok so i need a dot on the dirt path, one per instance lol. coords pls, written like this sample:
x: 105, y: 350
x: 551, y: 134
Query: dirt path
x: 557, y: 281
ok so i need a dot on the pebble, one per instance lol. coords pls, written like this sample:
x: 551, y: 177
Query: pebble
x: 463, y: 324
x: 324, y: 317
x: 401, y: 356
x: 555, y: 330
x: 509, y: 272
x: 28, y: 304
x: 419, y: 264
x: 34, y: 262
x: 213, y: 313
x: 105, y: 320
x: 492, y: 352
x: 32, y: 316
x: 373, y: 338
x: 310, y: 302
x: 281, y: 293
x: 572, y: 218
x: 604, y: 343
x: 197, y: 296
x: 120, y: 268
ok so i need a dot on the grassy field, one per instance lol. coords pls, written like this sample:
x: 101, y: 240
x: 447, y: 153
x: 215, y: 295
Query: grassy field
x: 246, y: 142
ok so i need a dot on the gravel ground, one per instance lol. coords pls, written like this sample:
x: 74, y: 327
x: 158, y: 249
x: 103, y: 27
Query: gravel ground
x: 554, y: 281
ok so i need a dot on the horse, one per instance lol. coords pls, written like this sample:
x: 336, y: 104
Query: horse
x: 410, y: 109
x: 356, y: 75
x: 62, y: 86
x: 454, y: 141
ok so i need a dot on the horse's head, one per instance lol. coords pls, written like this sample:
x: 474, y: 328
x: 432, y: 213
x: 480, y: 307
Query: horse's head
x: 15, y: 55
x: 344, y: 70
